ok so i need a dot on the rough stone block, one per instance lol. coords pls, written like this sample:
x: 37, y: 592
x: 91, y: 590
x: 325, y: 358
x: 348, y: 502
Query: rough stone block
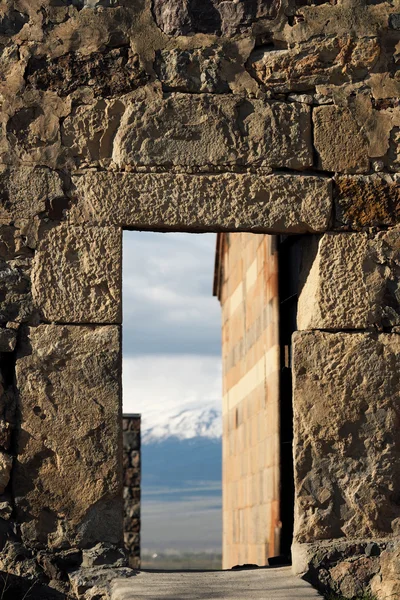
x: 315, y: 62
x: 76, y: 275
x: 15, y: 291
x: 193, y: 130
x: 6, y: 462
x: 350, y: 281
x: 67, y: 480
x: 280, y: 203
x: 394, y: 150
x: 25, y: 192
x: 177, y: 17
x: 346, y: 441
x: 110, y: 73
x: 339, y: 141
x: 196, y: 70
x: 386, y: 584
x: 8, y: 339
x: 367, y: 200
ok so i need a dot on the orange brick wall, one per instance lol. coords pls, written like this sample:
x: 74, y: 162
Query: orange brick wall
x: 248, y: 291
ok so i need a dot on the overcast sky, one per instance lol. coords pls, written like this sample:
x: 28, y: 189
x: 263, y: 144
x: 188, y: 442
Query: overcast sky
x: 171, y: 331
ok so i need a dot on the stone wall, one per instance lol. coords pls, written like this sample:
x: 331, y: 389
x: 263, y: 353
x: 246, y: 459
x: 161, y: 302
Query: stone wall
x: 248, y: 292
x: 273, y: 116
x: 132, y: 476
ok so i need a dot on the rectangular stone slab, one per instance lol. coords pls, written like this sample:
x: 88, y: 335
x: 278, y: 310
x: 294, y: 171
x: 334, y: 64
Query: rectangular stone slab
x: 350, y: 281
x: 194, y: 130
x: 67, y: 480
x: 346, y: 435
x: 76, y: 275
x: 230, y: 201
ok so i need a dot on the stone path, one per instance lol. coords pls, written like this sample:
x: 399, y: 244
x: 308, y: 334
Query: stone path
x: 255, y: 584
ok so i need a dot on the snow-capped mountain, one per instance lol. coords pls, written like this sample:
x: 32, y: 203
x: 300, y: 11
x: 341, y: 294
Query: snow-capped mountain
x: 188, y: 423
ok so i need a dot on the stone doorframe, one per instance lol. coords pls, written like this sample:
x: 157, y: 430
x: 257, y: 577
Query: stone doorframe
x: 66, y: 477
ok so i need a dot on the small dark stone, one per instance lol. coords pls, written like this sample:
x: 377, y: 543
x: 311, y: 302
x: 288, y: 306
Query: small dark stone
x: 372, y: 549
x: 244, y: 567
x: 111, y: 73
x: 13, y: 22
x: 394, y: 21
x: 276, y: 561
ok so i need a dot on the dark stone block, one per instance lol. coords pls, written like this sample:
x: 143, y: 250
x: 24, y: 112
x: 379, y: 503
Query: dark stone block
x: 219, y: 17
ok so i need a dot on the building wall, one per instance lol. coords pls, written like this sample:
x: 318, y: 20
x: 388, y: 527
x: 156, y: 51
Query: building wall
x: 132, y: 478
x: 248, y: 290
x: 273, y: 116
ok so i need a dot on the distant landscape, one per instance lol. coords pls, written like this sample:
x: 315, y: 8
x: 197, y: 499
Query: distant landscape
x: 182, y: 503
x: 182, y: 561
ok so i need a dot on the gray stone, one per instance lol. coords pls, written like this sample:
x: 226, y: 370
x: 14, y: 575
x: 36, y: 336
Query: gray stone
x: 67, y: 480
x: 201, y: 130
x: 76, y: 275
x: 195, y: 71
x: 6, y: 463
x: 350, y: 281
x: 186, y: 17
x: 15, y: 291
x: 243, y: 202
x: 104, y: 554
x: 8, y: 340
x: 347, y: 465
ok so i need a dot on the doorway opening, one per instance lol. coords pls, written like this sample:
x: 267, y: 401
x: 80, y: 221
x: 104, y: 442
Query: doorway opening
x: 172, y: 376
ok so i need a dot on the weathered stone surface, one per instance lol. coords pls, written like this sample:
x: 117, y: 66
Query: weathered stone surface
x: 8, y: 339
x: 103, y: 554
x: 67, y: 480
x: 344, y: 568
x: 386, y: 584
x: 6, y: 462
x: 15, y: 291
x: 368, y: 201
x: 111, y: 73
x: 350, y: 281
x: 394, y: 150
x: 94, y: 583
x: 5, y: 434
x: 341, y: 145
x: 346, y: 412
x: 185, y: 17
x: 76, y: 275
x: 204, y: 203
x: 196, y: 70
x: 26, y: 192
x: 334, y: 60
x: 201, y: 130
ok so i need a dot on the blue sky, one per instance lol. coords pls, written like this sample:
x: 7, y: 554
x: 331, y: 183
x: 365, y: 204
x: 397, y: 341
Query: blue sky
x: 171, y: 322
x: 172, y: 363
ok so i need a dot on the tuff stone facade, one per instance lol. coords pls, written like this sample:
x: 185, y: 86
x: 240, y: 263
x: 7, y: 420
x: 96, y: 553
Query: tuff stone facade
x: 248, y: 292
x: 271, y: 116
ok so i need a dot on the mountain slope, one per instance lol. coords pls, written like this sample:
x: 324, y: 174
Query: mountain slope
x: 188, y: 423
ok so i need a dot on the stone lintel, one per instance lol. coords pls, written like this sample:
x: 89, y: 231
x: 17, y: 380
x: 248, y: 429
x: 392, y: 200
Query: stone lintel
x: 275, y: 203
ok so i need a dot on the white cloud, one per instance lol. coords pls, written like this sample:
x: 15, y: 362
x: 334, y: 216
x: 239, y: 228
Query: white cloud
x: 176, y: 394
x: 168, y: 303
